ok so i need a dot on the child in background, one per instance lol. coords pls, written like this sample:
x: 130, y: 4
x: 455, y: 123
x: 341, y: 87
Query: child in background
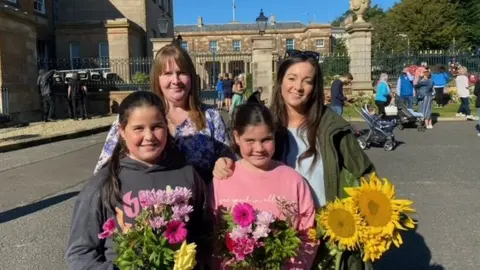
x: 258, y: 179
x: 145, y: 158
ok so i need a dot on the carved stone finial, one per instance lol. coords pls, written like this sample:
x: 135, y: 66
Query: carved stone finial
x: 359, y: 7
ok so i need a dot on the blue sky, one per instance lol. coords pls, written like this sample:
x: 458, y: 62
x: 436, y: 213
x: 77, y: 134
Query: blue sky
x: 220, y: 11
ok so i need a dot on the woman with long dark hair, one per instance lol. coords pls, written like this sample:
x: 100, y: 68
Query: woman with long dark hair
x: 311, y: 138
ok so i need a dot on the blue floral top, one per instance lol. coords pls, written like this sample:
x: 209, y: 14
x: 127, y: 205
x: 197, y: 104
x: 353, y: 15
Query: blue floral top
x: 201, y: 148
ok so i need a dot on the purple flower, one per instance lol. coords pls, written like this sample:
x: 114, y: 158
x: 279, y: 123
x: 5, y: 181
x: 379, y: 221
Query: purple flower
x: 181, y: 212
x: 181, y: 195
x: 240, y: 232
x: 146, y: 198
x: 157, y: 222
x: 264, y: 218
x: 260, y: 231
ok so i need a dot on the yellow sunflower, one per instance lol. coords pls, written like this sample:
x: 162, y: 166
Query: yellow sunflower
x: 378, y: 206
x: 341, y: 223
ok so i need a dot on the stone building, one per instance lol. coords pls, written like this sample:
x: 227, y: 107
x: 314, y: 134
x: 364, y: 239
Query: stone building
x: 231, y: 44
x: 36, y: 30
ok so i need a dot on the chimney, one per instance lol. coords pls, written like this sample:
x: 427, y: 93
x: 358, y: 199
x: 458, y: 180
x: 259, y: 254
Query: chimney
x: 200, y: 21
x: 272, y: 19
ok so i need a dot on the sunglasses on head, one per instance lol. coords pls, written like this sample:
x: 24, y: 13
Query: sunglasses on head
x: 309, y: 54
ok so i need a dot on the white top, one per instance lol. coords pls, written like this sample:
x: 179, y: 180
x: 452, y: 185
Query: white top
x: 462, y: 86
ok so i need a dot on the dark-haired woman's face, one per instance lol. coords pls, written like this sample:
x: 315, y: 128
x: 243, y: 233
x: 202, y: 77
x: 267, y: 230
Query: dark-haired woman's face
x: 145, y: 134
x: 298, y: 84
x: 175, y: 84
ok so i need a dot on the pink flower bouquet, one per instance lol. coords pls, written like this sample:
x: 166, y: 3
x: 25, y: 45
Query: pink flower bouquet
x: 158, y: 239
x: 251, y: 239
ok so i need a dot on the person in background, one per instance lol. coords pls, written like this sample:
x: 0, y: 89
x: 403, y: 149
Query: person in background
x: 238, y: 90
x: 405, y: 88
x: 77, y: 93
x: 44, y: 85
x: 476, y: 92
x: 463, y: 93
x: 338, y: 98
x: 383, y: 94
x: 425, y: 98
x: 440, y: 79
x: 228, y: 90
x: 220, y: 95
x: 255, y: 97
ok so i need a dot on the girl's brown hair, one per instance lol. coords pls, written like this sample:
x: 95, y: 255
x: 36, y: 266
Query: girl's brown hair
x: 174, y: 52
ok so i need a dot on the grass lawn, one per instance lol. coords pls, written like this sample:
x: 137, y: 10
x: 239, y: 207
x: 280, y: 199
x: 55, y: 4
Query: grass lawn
x: 448, y: 111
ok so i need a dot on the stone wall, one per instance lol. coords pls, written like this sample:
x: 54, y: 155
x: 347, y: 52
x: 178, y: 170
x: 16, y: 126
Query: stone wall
x: 18, y: 63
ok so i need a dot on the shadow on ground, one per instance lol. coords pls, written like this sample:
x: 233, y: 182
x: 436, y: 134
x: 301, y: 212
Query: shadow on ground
x: 19, y: 137
x: 412, y: 254
x: 34, y: 207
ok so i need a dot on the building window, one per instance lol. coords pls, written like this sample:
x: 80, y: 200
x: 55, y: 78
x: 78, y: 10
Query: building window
x: 12, y: 1
x: 154, y: 33
x: 74, y: 54
x: 213, y: 45
x: 103, y: 50
x: 168, y: 6
x: 290, y: 44
x: 39, y: 6
x: 154, y: 1
x: 319, y: 43
x: 185, y: 45
x: 237, y: 45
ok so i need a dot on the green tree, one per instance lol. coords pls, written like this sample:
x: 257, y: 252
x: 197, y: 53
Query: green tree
x: 469, y: 11
x: 420, y: 25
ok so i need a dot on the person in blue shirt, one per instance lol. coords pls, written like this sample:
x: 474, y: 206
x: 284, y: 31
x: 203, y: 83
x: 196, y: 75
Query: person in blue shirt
x: 382, y: 96
x: 220, y: 96
x: 440, y: 79
x: 405, y: 88
x: 338, y: 98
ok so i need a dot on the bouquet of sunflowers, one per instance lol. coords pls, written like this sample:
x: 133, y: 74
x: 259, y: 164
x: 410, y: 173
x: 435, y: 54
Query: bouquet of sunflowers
x: 367, y: 222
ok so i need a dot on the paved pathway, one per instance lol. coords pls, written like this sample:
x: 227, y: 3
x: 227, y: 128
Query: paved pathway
x: 437, y: 169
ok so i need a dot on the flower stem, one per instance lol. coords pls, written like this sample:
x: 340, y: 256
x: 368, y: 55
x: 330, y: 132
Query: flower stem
x: 338, y: 260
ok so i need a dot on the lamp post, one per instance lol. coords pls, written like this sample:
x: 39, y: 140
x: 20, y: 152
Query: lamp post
x: 262, y: 22
x: 162, y: 24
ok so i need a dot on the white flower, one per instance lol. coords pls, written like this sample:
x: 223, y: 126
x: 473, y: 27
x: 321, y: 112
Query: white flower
x: 264, y: 218
x: 239, y: 232
x: 261, y: 231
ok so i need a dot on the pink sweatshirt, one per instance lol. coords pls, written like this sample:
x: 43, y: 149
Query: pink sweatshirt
x: 260, y: 190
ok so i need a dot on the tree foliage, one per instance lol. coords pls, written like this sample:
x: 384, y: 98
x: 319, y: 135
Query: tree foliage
x: 373, y: 13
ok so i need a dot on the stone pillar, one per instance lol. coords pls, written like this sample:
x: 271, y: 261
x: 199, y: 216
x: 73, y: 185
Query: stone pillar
x: 360, y: 44
x: 262, y: 52
x: 159, y: 43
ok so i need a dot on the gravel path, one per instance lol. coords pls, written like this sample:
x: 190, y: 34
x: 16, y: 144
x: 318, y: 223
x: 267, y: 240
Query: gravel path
x: 41, y: 129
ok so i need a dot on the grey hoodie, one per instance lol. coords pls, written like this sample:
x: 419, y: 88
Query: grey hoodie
x: 86, y: 251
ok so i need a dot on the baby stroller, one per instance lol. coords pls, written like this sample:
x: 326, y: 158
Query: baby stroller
x: 408, y: 116
x: 380, y: 132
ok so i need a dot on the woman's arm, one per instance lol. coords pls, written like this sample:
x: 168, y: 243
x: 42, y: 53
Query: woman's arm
x: 110, y: 143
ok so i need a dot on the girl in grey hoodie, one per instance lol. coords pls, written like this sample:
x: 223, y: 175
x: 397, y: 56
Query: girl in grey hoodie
x: 145, y: 158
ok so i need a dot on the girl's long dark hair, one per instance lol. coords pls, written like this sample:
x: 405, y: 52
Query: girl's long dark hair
x: 112, y: 187
x: 313, y: 108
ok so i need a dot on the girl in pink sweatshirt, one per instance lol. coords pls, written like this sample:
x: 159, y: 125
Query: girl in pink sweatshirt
x: 259, y: 180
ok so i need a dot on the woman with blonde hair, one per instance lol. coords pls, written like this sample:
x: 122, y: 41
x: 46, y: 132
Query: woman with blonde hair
x: 463, y: 93
x: 382, y: 96
x: 199, y: 133
x: 238, y: 90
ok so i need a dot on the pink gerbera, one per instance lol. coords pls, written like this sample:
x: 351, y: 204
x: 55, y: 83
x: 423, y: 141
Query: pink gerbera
x: 175, y: 232
x: 243, y: 214
x: 109, y: 228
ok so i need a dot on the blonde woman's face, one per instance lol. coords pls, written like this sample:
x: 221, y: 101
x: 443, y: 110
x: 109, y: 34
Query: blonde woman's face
x: 175, y: 83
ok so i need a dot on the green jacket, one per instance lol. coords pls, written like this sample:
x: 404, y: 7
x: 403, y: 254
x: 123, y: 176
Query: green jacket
x: 344, y: 162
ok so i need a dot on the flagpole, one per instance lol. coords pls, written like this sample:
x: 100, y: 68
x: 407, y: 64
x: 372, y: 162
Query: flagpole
x: 233, y: 9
